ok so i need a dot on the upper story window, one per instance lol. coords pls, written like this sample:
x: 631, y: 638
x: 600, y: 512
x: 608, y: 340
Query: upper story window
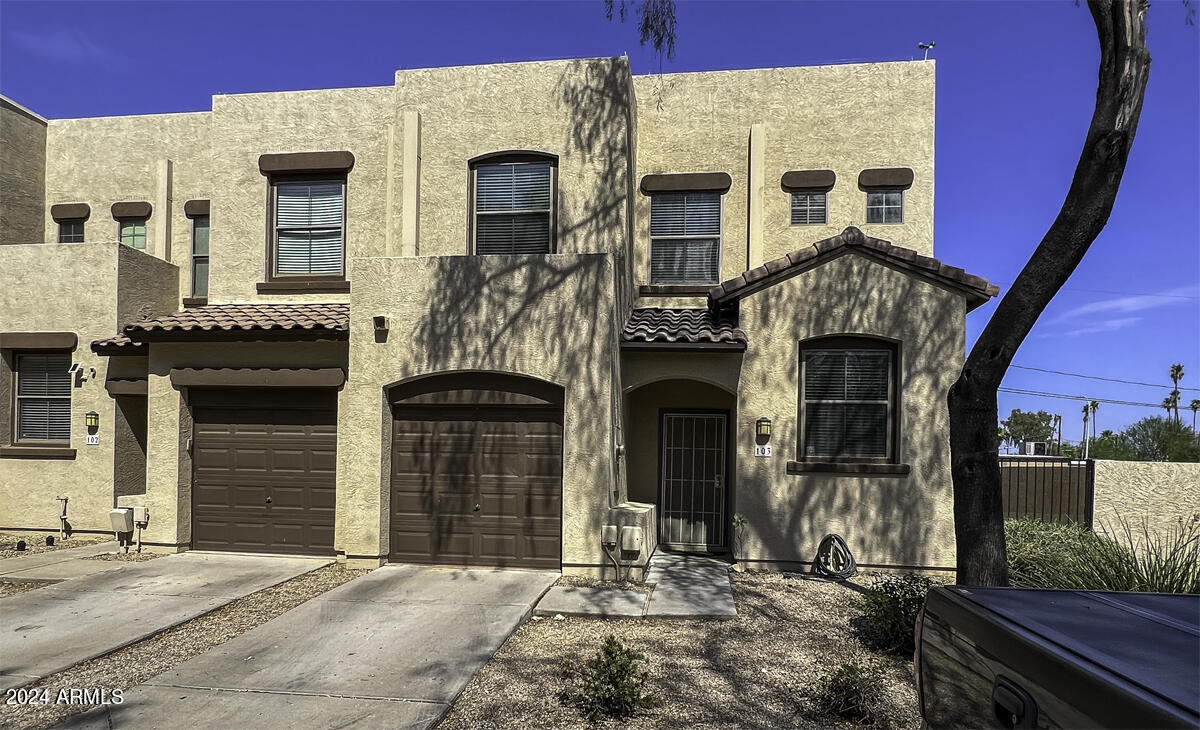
x: 808, y: 208
x: 132, y: 232
x: 70, y: 231
x: 200, y: 256
x: 309, y: 225
x: 513, y: 204
x: 685, y: 237
x: 43, y: 397
x: 848, y: 400
x: 885, y: 206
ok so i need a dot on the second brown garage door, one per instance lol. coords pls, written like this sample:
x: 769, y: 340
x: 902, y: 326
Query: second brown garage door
x: 263, y: 470
x: 477, y: 483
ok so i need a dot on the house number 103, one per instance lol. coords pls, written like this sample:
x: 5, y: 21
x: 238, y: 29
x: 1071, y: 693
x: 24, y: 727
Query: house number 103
x: 762, y: 450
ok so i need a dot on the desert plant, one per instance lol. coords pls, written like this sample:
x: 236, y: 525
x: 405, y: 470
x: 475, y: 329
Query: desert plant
x: 851, y: 692
x: 889, y: 613
x: 609, y: 684
x: 1117, y: 558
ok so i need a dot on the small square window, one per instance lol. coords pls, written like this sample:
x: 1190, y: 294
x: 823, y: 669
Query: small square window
x: 133, y: 233
x: 808, y: 208
x: 885, y: 206
x: 70, y: 231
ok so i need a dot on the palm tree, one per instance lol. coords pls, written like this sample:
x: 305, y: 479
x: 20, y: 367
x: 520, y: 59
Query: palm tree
x: 1176, y: 376
x: 1087, y: 411
x: 1095, y: 406
x: 1171, y: 403
x: 1195, y: 406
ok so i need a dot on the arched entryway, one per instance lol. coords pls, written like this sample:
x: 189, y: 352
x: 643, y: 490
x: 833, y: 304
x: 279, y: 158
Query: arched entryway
x: 679, y: 436
x: 476, y: 471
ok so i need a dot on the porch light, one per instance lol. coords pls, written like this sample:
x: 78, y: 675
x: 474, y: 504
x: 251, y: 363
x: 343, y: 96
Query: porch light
x: 762, y: 429
x: 92, y: 419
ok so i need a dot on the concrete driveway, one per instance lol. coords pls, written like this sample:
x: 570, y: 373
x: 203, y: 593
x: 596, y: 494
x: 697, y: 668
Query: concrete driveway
x: 392, y: 649
x: 53, y: 628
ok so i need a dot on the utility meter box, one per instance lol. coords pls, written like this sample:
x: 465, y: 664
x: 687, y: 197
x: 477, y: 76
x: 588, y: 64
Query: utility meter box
x: 631, y: 539
x: 141, y: 515
x: 122, y: 519
x: 608, y: 535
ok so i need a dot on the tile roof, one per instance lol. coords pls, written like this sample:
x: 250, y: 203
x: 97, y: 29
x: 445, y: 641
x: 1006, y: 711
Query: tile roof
x: 317, y: 318
x: 119, y: 345
x: 681, y: 326
x: 977, y: 289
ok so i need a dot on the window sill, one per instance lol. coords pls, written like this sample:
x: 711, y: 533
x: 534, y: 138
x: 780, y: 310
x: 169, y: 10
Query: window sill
x: 36, y: 452
x: 838, y: 467
x: 674, y: 290
x: 302, y: 287
x: 195, y: 302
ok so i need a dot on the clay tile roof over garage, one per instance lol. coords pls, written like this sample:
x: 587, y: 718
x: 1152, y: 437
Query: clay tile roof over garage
x: 681, y: 327
x: 119, y: 345
x: 977, y: 289
x: 236, y: 322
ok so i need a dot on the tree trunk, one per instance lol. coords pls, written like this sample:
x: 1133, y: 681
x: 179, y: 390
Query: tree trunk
x: 978, y: 512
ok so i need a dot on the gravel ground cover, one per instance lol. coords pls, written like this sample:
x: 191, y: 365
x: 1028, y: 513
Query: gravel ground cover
x: 135, y: 664
x: 12, y: 587
x: 127, y: 557
x: 754, y: 671
x: 585, y: 582
x: 35, y: 542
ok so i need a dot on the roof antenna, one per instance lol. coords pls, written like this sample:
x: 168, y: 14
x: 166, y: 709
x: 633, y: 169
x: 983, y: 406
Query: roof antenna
x: 926, y: 46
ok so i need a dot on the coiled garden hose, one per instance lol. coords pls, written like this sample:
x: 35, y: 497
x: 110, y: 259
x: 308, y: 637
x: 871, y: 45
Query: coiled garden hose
x: 834, y: 561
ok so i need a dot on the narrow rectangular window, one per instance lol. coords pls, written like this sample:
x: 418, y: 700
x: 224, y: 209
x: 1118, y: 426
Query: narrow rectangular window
x: 43, y: 397
x: 514, y: 208
x: 70, y: 231
x: 309, y: 218
x: 200, y: 256
x: 133, y: 232
x: 848, y: 404
x: 808, y: 209
x: 685, y: 238
x: 885, y: 206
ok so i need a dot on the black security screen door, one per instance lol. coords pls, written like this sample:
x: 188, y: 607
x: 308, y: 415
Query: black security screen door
x: 691, y: 496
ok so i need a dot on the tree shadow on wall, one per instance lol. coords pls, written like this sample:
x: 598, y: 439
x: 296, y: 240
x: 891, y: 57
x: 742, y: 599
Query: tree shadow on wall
x: 557, y: 317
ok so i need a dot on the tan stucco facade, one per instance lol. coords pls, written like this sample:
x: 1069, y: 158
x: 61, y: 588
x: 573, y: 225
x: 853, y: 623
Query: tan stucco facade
x: 554, y: 318
x: 22, y: 173
x: 1154, y: 495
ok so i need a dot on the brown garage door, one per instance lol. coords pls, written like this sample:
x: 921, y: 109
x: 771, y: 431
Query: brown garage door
x: 263, y: 470
x: 477, y: 483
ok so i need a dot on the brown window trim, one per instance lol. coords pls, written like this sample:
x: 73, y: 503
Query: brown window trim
x: 27, y: 451
x: 331, y: 162
x: 64, y: 212
x: 132, y: 209
x: 686, y: 182
x: 848, y: 467
x: 67, y: 341
x: 194, y: 208
x: 189, y: 302
x: 886, y: 177
x: 674, y: 290
x: 895, y: 400
x: 806, y: 181
x: 512, y: 156
x: 302, y: 283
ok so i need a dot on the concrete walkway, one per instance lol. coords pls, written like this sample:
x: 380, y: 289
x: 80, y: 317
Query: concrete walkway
x: 689, y: 586
x: 55, y: 565
x: 53, y: 628
x: 393, y: 649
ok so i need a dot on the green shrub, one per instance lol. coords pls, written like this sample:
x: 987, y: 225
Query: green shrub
x: 1124, y: 558
x: 609, y: 684
x: 889, y: 613
x: 852, y: 692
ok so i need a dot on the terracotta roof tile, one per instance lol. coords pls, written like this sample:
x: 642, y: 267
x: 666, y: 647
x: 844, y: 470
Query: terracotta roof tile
x: 686, y: 326
x: 332, y: 318
x: 119, y: 345
x: 977, y: 289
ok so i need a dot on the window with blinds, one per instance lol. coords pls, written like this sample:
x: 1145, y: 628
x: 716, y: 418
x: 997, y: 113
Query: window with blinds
x: 133, y: 232
x: 43, y: 402
x: 808, y: 209
x: 309, y: 219
x: 885, y: 206
x: 847, y: 405
x: 514, y: 208
x: 685, y: 238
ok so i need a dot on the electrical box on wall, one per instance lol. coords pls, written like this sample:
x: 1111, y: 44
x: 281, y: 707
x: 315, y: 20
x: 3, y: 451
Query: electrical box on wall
x: 141, y: 515
x: 608, y: 535
x: 631, y: 539
x: 122, y: 519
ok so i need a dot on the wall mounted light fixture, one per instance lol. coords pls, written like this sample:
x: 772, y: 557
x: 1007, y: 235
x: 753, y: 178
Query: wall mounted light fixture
x: 762, y: 430
x: 92, y: 420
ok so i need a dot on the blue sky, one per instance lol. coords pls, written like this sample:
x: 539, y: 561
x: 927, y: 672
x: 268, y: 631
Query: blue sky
x: 1016, y: 84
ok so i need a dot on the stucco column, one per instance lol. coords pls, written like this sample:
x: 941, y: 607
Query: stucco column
x: 168, y: 465
x: 410, y: 190
x: 160, y: 244
x: 757, y: 177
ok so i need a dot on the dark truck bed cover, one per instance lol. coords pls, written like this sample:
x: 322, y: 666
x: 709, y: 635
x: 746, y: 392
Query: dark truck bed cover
x: 1149, y: 639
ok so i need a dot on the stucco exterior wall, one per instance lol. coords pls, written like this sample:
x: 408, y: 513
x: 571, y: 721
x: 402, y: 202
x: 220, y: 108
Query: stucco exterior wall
x: 246, y: 126
x: 887, y: 520
x: 579, y: 110
x: 844, y: 118
x: 22, y: 174
x: 1157, y: 494
x: 545, y: 317
x: 105, y: 160
x: 80, y: 298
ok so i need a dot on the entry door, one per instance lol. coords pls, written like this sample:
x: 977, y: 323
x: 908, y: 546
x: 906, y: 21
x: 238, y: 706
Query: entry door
x: 692, y: 489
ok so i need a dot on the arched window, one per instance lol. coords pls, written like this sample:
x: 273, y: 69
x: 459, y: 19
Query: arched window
x: 848, y: 400
x: 513, y: 203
